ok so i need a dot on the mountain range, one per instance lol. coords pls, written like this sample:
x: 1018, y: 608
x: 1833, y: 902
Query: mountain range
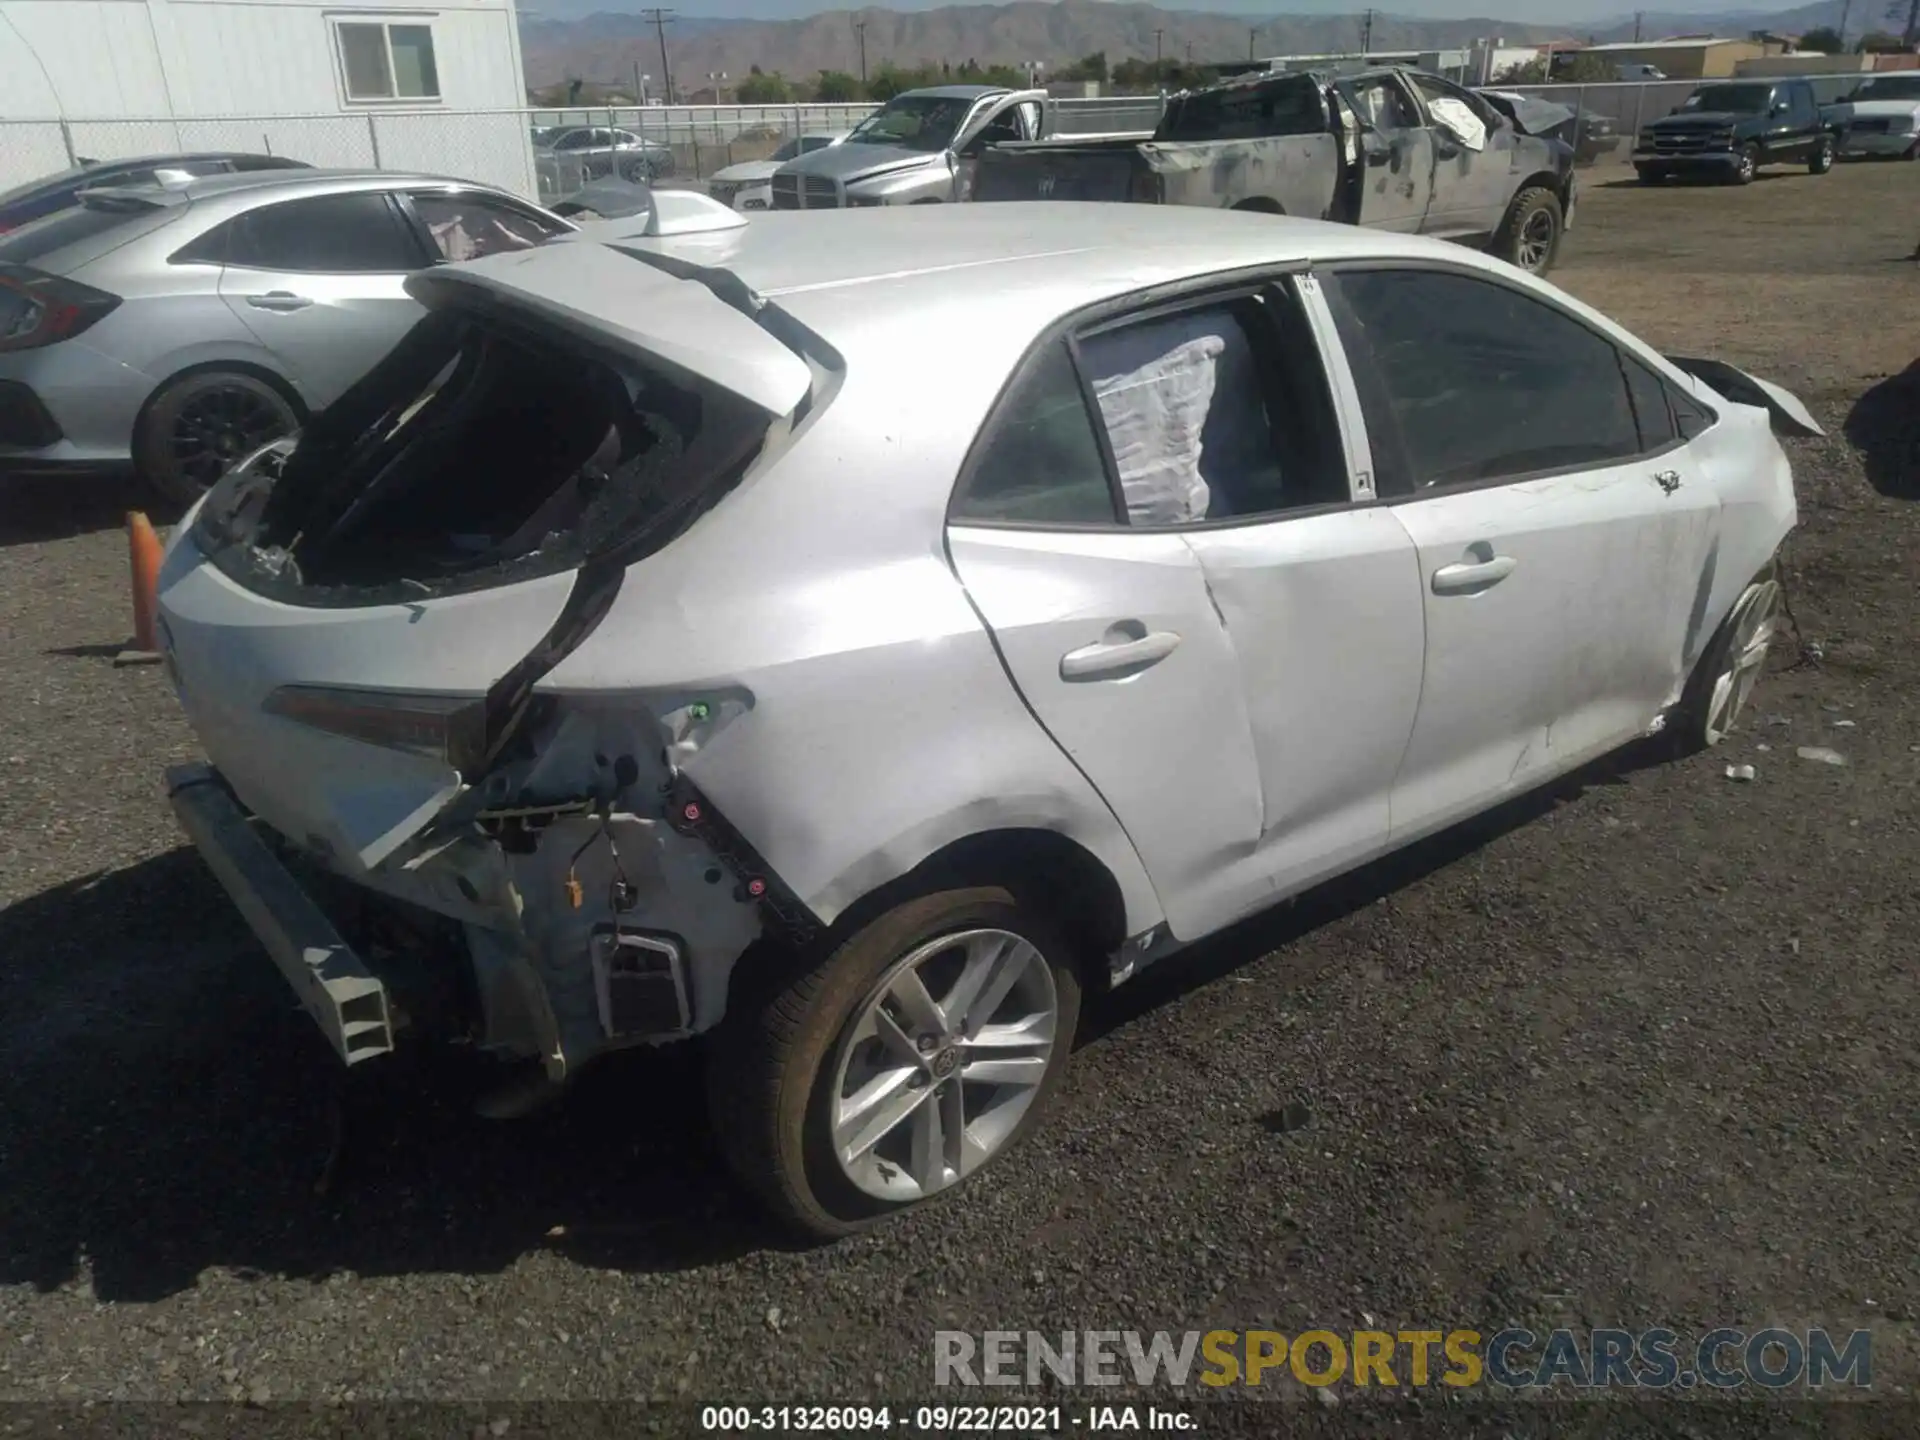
x: 607, y: 46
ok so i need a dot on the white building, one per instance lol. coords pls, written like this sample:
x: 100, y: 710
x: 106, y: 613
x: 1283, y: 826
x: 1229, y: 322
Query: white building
x: 396, y: 84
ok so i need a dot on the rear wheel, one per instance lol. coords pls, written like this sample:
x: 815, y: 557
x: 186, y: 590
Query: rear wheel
x: 199, y: 424
x: 1718, y: 691
x: 1648, y: 175
x: 636, y: 169
x: 1821, y: 160
x: 1530, y: 236
x: 923, y: 1048
x: 1746, y: 164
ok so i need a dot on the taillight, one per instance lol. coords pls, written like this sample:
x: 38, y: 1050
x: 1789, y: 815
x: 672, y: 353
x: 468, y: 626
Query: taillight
x: 437, y: 727
x: 38, y: 309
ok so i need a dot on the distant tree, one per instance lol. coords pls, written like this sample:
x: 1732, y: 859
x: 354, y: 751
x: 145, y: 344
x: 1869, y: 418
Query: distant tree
x: 1088, y: 67
x: 1823, y: 39
x: 574, y: 82
x: 1907, y: 14
x: 836, y: 87
x: 1877, y: 42
x: 890, y: 79
x: 760, y: 88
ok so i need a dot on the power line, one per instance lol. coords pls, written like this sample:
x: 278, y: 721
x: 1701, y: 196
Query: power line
x: 659, y: 20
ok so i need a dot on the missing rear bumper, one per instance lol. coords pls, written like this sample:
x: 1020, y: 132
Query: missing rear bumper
x: 346, y: 1000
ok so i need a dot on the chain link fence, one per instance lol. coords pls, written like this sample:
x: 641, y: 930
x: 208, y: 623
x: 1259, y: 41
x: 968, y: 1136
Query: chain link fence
x: 682, y: 143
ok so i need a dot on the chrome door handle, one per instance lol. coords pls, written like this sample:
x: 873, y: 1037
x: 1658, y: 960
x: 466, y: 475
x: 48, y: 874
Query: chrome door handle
x: 281, y: 300
x: 1473, y: 577
x: 1117, y: 659
x: 1668, y: 480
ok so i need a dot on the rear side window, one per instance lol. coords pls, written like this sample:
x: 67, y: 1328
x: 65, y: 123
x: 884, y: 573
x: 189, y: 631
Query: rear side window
x: 1652, y: 411
x: 468, y: 227
x: 88, y: 227
x: 1041, y: 461
x: 326, y: 234
x: 1243, y: 113
x: 1479, y: 382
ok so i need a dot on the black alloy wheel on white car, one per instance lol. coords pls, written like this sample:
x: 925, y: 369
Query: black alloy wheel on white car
x: 921, y: 1049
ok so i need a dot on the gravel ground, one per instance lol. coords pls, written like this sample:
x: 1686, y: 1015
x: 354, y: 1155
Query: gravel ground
x: 1638, y: 1051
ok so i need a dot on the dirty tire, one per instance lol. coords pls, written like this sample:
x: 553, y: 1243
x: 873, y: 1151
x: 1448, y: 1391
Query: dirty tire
x: 197, y: 424
x: 1648, y: 175
x: 637, y: 170
x: 1821, y: 161
x: 1530, y: 235
x: 1746, y: 165
x: 1698, y: 723
x: 773, y: 1070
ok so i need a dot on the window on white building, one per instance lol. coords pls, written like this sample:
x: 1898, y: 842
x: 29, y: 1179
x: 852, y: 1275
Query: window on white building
x: 386, y: 61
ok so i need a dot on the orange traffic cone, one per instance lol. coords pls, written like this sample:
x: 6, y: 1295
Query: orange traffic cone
x: 143, y: 554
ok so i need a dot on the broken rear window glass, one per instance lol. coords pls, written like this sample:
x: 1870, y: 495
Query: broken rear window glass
x: 481, y: 453
x: 1245, y: 112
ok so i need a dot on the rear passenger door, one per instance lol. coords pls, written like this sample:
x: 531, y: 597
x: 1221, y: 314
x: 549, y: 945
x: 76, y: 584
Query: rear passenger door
x: 1159, y: 527
x: 1562, y: 526
x: 1395, y: 154
x: 1473, y: 161
x: 320, y: 283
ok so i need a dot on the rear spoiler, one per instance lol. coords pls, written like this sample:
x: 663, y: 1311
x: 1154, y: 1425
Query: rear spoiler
x: 1789, y: 415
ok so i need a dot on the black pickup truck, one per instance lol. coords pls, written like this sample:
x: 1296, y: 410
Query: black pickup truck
x: 1391, y: 148
x: 1730, y: 128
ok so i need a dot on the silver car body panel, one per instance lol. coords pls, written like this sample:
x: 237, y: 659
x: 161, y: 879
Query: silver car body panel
x: 854, y: 684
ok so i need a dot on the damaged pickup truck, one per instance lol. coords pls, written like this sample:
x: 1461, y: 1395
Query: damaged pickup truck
x: 641, y: 651
x: 1393, y: 149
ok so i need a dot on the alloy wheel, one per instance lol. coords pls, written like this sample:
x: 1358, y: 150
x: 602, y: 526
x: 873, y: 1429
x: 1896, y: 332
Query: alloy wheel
x: 219, y: 425
x: 941, y: 1061
x: 1751, y: 632
x: 1536, y: 241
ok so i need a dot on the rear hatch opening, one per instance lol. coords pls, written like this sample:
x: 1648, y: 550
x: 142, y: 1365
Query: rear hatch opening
x: 361, y: 616
x: 482, y: 452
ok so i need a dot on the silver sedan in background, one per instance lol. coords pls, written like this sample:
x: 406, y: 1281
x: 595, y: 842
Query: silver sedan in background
x: 177, y: 327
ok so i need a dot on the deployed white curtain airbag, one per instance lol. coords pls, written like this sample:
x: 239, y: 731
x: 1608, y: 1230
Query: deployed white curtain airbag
x: 1154, y: 397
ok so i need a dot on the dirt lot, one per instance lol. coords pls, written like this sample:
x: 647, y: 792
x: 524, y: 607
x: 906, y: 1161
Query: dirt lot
x: 1637, y: 1052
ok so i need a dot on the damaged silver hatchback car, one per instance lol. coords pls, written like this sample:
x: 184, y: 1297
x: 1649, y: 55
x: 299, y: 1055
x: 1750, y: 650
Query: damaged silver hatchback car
x: 856, y: 636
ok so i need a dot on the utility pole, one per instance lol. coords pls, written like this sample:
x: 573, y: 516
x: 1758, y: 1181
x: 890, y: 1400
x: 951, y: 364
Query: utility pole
x: 658, y: 19
x: 1251, y: 32
x: 1366, y: 33
x: 1912, y: 32
x: 860, y: 33
x: 1846, y: 9
x: 1156, y: 55
x: 1638, y: 16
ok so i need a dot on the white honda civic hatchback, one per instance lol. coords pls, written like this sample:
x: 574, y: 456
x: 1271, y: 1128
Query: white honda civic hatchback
x: 859, y: 635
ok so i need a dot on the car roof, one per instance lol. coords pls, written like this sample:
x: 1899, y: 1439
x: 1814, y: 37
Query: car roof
x: 873, y: 278
x: 106, y: 169
x: 957, y: 92
x: 292, y: 182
